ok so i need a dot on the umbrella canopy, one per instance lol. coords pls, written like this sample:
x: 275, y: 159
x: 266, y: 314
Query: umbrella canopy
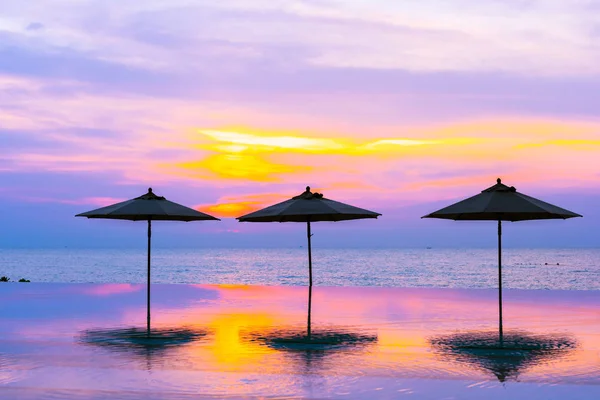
x: 501, y: 203
x: 148, y: 207
x: 308, y: 207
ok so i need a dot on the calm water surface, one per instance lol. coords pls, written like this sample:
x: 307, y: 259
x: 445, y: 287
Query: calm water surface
x: 87, y: 341
x: 523, y: 269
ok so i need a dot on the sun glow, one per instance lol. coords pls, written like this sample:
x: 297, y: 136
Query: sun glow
x: 235, y: 206
x: 273, y: 141
x: 401, y: 142
x: 424, y: 160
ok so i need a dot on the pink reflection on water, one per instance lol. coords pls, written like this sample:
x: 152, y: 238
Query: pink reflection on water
x: 113, y: 288
x: 227, y: 358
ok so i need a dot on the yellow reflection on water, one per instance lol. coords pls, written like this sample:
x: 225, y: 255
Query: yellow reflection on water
x: 228, y: 348
x: 260, y: 334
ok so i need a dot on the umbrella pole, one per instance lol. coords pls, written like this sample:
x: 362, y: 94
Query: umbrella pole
x: 309, y: 311
x: 148, y: 291
x: 308, y: 234
x: 500, y: 279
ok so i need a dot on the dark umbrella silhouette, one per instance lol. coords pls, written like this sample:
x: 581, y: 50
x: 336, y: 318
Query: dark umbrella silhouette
x: 325, y: 339
x: 501, y: 203
x: 137, y: 344
x: 306, y: 208
x: 135, y: 339
x: 505, y: 358
x: 148, y: 207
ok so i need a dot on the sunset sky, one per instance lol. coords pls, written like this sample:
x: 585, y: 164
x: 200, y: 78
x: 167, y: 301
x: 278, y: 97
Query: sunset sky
x: 400, y: 107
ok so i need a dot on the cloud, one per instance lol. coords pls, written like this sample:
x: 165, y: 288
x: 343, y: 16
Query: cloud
x: 66, y: 63
x: 35, y: 26
x: 246, y: 140
x: 218, y: 103
x: 236, y: 206
x: 240, y: 167
x: 91, y: 201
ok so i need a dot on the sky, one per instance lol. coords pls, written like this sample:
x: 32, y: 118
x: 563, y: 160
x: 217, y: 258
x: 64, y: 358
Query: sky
x: 228, y: 106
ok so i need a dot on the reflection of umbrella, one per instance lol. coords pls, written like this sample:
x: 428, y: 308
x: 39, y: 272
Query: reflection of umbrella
x: 148, y: 207
x: 505, y: 358
x: 501, y: 203
x: 135, y: 339
x: 312, y: 356
x: 137, y: 342
x: 308, y: 207
x: 325, y: 339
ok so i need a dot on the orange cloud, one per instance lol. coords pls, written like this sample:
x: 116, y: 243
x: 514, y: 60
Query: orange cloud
x: 230, y: 210
x: 236, y: 206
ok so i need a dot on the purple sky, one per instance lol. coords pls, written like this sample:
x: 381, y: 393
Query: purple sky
x: 399, y: 107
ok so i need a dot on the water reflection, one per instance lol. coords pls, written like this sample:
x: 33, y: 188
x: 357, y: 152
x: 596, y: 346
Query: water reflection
x: 5, y: 374
x: 292, y: 338
x: 320, y: 340
x: 505, y: 356
x: 254, y: 341
x: 315, y: 357
x: 139, y: 342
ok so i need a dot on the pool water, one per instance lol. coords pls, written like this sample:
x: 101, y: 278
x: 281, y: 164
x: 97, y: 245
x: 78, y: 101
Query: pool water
x: 90, y: 341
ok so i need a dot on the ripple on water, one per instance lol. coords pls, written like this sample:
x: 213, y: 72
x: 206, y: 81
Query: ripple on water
x: 507, y: 355
x: 136, y: 339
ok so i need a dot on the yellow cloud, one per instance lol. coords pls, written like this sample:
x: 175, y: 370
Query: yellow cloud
x: 243, y: 154
x: 400, y: 142
x: 273, y: 141
x: 258, y: 142
x: 241, y: 166
x: 582, y: 144
x: 265, y: 157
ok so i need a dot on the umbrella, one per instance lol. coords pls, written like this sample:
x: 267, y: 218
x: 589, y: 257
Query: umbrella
x: 501, y: 203
x: 308, y: 207
x: 148, y: 207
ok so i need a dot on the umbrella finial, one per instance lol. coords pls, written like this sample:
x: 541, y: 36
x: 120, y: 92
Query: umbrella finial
x: 149, y: 190
x: 499, y: 181
x: 308, y: 188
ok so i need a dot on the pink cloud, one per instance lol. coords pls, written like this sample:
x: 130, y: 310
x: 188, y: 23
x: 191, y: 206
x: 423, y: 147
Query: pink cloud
x: 93, y: 201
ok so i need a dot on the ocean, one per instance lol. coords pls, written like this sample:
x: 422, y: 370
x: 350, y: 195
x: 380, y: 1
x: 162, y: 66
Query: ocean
x: 567, y: 269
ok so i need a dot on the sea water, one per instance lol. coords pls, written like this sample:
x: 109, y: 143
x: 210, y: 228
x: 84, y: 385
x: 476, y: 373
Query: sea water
x: 572, y: 269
